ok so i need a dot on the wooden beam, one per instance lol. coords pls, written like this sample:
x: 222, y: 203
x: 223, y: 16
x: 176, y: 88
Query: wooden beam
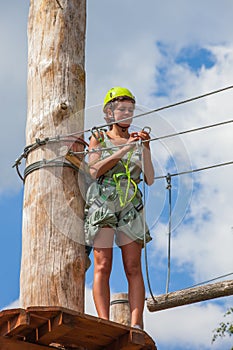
x: 54, y: 329
x: 131, y: 341
x: 190, y: 296
x: 12, y: 344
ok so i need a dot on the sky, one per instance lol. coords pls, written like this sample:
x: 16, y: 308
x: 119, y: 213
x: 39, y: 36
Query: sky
x: 165, y: 52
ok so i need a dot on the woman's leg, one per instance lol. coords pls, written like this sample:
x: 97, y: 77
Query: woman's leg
x: 131, y: 255
x: 102, y: 270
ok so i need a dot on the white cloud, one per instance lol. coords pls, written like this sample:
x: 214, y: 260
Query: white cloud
x: 13, y: 75
x: 14, y: 305
x: 89, y: 302
x: 187, y: 327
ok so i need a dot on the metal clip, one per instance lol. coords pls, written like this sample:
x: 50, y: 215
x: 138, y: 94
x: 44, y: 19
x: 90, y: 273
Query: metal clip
x: 95, y: 131
x: 147, y: 129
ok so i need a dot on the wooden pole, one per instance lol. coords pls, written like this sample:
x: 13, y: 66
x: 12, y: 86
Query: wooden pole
x: 191, y: 295
x: 53, y: 257
x: 120, y: 309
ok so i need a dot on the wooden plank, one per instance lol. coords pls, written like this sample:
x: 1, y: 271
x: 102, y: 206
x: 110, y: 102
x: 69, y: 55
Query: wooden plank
x: 89, y: 331
x: 53, y: 330
x: 191, y: 295
x: 13, y: 344
x: 132, y: 340
x: 15, y: 324
x: 71, y: 329
x: 6, y: 314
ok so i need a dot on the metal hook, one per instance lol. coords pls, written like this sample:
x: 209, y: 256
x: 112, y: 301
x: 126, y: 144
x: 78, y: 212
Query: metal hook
x: 95, y: 130
x: 147, y: 129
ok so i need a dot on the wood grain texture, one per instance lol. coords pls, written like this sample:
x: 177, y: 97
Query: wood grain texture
x: 190, y: 295
x: 53, y: 260
x: 47, y: 326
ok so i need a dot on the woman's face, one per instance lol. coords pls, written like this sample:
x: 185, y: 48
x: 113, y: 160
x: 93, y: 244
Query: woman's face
x: 124, y: 110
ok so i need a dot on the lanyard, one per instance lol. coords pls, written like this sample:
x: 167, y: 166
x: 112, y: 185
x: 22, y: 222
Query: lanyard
x: 124, y: 195
x: 118, y: 177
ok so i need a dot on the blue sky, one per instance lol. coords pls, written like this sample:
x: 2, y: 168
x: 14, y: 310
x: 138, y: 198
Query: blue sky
x: 159, y: 52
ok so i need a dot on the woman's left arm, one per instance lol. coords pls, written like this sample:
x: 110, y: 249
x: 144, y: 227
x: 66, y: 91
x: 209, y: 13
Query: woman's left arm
x: 148, y: 165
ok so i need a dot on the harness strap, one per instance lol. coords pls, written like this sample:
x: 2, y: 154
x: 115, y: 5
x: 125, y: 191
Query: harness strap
x: 118, y: 177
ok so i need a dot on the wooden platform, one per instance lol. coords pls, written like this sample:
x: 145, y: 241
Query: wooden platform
x: 41, y: 328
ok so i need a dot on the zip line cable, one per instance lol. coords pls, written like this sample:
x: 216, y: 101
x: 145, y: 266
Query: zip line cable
x: 159, y: 109
x: 195, y: 170
x: 192, y: 130
x: 43, y: 142
x: 209, y: 126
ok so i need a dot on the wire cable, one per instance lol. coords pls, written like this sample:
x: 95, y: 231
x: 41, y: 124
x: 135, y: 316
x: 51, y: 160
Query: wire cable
x: 46, y: 140
x: 169, y: 188
x: 192, y: 130
x: 194, y: 170
x: 161, y: 137
x: 155, y: 110
x: 211, y: 280
x: 141, y: 157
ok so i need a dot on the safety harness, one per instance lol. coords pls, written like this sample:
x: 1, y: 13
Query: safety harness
x: 126, y: 196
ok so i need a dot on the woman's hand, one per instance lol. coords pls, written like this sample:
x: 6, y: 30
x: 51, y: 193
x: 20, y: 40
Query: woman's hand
x: 144, y: 136
x: 133, y: 138
x: 148, y: 166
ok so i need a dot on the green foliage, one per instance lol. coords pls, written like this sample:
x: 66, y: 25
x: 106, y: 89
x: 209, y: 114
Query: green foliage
x: 225, y: 328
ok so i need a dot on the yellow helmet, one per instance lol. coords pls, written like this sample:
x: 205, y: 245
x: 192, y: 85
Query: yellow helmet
x: 116, y: 92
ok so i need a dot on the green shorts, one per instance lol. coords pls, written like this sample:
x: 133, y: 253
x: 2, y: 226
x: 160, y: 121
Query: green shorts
x: 103, y: 209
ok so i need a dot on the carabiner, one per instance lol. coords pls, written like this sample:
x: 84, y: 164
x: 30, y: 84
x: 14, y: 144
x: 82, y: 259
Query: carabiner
x: 147, y: 129
x: 95, y: 131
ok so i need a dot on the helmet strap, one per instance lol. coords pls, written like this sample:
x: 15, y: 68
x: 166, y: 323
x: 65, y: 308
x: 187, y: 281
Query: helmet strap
x: 123, y: 128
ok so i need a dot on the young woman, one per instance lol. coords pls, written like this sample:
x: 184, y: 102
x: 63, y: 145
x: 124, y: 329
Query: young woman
x: 114, y: 205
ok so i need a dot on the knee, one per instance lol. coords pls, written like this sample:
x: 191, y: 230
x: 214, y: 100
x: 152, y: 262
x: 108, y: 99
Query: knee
x: 133, y: 269
x: 103, y: 267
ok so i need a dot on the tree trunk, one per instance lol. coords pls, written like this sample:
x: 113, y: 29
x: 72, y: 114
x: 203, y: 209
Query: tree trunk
x: 191, y: 295
x: 53, y: 254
